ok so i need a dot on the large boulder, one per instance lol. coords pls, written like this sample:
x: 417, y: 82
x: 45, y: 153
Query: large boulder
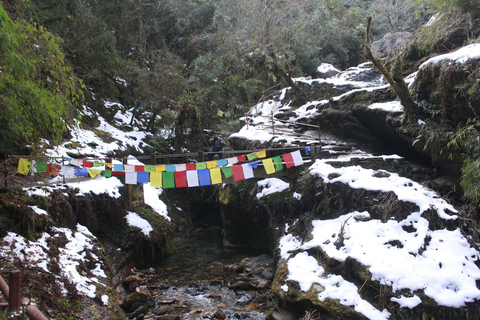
x: 388, y: 42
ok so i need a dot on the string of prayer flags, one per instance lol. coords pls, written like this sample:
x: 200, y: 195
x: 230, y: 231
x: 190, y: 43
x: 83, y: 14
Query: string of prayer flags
x: 216, y: 175
x: 247, y: 171
x: 87, y: 164
x: 107, y: 173
x: 181, y: 179
x: 130, y: 178
x: 192, y: 178
x: 211, y: 164
x: 201, y: 165
x: 24, y: 166
x: 143, y: 177
x: 227, y: 172
x: 168, y: 180
x: 170, y: 168
x: 252, y: 156
x: 93, y: 172
x: 278, y: 163
x: 237, y: 171
x: 149, y: 168
x: 204, y: 177
x: 191, y: 166
x: 268, y: 165
x: 156, y: 179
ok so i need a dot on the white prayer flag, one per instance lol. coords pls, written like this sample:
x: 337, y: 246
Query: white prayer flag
x: 129, y: 168
x: 247, y: 171
x: 297, y: 158
x: 130, y: 178
x: 192, y: 178
x: 180, y: 167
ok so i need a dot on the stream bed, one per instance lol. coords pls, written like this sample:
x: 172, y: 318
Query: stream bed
x: 205, y: 281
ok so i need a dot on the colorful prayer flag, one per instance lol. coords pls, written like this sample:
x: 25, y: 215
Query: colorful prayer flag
x: 227, y: 172
x: 216, y: 175
x: 261, y: 154
x: 192, y: 178
x: 76, y: 162
x: 108, y: 165
x: 97, y: 163
x: 204, y: 177
x: 238, y: 173
x: 67, y: 171
x: 129, y: 168
x: 170, y: 168
x: 81, y: 172
x: 180, y: 167
x: 222, y: 162
x: 232, y: 161
x: 93, y: 172
x: 41, y: 166
x: 156, y: 179
x: 181, y: 179
x: 107, y: 173
x: 254, y: 164
x: 201, y: 165
x: 191, y: 166
x: 220, y: 113
x: 139, y: 168
x: 130, y: 177
x: 247, y: 171
x: 24, y: 166
x: 268, y: 165
x: 241, y: 158
x: 143, y: 177
x: 278, y: 163
x: 118, y: 173
x: 53, y: 169
x: 252, y: 156
x: 87, y: 164
x: 297, y: 158
x: 168, y: 180
x: 211, y: 164
x: 118, y: 167
x: 288, y: 159
x: 149, y: 168
x: 160, y: 168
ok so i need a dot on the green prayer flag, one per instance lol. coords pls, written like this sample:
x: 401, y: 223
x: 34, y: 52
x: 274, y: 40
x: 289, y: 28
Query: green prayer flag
x: 149, y: 168
x: 227, y: 172
x: 107, y: 173
x: 252, y: 156
x: 278, y: 163
x: 227, y: 114
x: 201, y: 165
x: 168, y: 180
x: 41, y: 166
x: 97, y: 163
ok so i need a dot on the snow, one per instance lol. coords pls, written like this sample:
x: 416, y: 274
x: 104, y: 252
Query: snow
x: 270, y: 186
x: 326, y: 67
x: 461, y: 55
x: 151, y: 197
x: 391, y: 106
x: 134, y: 220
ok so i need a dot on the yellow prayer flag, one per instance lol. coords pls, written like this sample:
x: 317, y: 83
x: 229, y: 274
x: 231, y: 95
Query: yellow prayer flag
x: 216, y: 176
x: 24, y: 166
x: 211, y: 164
x: 160, y: 168
x: 268, y: 165
x: 261, y: 154
x: 156, y: 179
x: 109, y: 165
x: 220, y: 113
x: 93, y: 172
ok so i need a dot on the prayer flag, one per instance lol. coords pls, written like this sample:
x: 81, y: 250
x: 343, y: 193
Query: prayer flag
x: 252, y: 156
x: 261, y: 154
x: 53, y: 169
x: 247, y: 171
x: 288, y: 159
x: 227, y: 172
x: 191, y: 166
x: 180, y: 167
x: 81, y: 172
x: 297, y: 158
x: 192, y: 178
x: 216, y: 175
x: 211, y: 164
x: 222, y: 162
x: 181, y: 179
x: 232, y: 112
x: 24, y: 166
x: 204, y: 177
x: 143, y: 177
x: 93, y: 172
x: 241, y: 158
x: 68, y: 159
x: 118, y: 167
x: 254, y: 164
x: 130, y: 177
x: 129, y: 168
x: 220, y: 113
x: 68, y: 171
x: 149, y: 168
x: 160, y: 168
x: 76, y: 162
x: 201, y: 165
x: 278, y: 163
x: 41, y: 166
x: 268, y: 165
x: 156, y: 179
x: 109, y: 165
x: 168, y: 180
x: 118, y: 173
x: 238, y: 173
x: 107, y: 173
x: 232, y: 161
x: 97, y: 163
x: 87, y: 164
x: 170, y: 168
x: 227, y: 114
x: 308, y: 151
x: 139, y: 168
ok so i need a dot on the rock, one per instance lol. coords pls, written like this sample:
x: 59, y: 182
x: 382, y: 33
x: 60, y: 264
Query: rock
x: 267, y: 275
x: 140, y: 310
x: 246, y: 299
x: 219, y: 315
x: 388, y: 42
x: 135, y: 297
x: 243, y: 285
x: 161, y: 310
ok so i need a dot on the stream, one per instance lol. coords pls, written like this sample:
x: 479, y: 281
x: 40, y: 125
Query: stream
x: 202, y: 280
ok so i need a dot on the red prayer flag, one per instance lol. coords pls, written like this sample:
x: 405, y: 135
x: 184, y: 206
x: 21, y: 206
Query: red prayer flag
x: 288, y: 160
x: 181, y: 179
x: 191, y: 166
x: 139, y: 168
x: 242, y: 158
x: 87, y: 164
x: 118, y: 173
x: 238, y: 173
x: 53, y: 169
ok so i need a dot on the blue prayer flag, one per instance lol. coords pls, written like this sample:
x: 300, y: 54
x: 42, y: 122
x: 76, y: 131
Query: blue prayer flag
x: 204, y: 177
x: 170, y: 168
x: 81, y: 172
x: 143, y: 177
